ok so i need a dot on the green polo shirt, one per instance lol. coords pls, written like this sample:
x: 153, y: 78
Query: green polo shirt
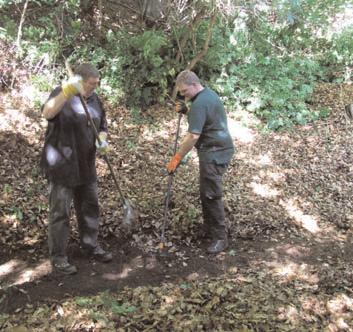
x: 208, y: 119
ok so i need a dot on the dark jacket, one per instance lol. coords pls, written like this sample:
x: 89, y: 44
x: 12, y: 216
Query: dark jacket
x: 68, y: 155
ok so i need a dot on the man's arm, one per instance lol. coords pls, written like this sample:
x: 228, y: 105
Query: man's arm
x: 53, y: 106
x: 69, y: 89
x: 187, y: 144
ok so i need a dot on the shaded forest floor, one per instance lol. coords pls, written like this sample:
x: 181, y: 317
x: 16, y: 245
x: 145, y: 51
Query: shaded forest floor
x: 289, y: 208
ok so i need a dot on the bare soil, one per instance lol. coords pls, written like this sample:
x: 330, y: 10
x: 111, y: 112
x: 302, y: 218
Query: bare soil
x: 132, y: 268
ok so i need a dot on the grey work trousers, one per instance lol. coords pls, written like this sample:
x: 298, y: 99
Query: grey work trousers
x: 85, y: 199
x: 211, y: 193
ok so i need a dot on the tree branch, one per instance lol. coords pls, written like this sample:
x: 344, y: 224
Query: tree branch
x: 205, y: 46
x: 19, y: 33
x: 185, y: 38
x: 201, y: 54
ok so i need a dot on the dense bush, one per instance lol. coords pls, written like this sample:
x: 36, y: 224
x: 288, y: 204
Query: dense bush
x: 264, y: 58
x: 271, y: 67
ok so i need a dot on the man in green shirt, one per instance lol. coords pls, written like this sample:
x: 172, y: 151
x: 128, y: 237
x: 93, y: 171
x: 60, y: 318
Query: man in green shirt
x: 208, y: 132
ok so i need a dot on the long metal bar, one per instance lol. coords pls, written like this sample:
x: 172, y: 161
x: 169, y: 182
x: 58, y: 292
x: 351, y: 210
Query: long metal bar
x: 169, y: 187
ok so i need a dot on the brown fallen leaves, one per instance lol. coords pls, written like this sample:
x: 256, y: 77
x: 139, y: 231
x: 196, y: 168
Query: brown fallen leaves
x: 278, y: 183
x: 279, y: 186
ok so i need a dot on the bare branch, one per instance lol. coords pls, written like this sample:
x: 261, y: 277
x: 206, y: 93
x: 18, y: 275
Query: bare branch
x: 185, y: 38
x: 205, y: 46
x: 202, y: 53
x: 19, y: 33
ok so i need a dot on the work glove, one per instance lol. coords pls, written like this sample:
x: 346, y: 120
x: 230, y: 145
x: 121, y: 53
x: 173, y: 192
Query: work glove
x: 180, y: 107
x: 174, y: 163
x: 103, y: 147
x: 72, y: 86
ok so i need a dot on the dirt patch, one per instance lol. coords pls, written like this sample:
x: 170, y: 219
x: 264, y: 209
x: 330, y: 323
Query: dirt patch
x: 33, y: 282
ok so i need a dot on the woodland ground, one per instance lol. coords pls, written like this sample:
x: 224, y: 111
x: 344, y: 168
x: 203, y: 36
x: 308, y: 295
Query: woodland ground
x: 289, y: 208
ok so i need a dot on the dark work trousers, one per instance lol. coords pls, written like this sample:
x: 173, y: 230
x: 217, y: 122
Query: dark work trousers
x: 211, y: 192
x: 87, y: 212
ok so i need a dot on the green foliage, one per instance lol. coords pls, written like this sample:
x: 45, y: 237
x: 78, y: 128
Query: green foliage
x: 120, y: 309
x: 7, y: 189
x: 264, y: 57
x: 130, y: 145
x: 9, y: 27
x: 108, y: 302
x: 134, y: 68
x: 274, y: 89
x: 17, y: 213
x: 146, y: 66
x: 192, y: 213
x: 83, y: 301
x: 338, y: 57
x: 343, y: 47
x: 271, y: 68
x: 43, y: 82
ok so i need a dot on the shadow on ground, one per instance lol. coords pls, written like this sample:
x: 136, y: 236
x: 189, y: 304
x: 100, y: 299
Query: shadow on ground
x: 27, y: 281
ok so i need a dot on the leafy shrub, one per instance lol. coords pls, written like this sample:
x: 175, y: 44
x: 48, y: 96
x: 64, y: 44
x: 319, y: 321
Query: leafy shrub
x: 337, y: 58
x: 134, y: 69
x: 146, y: 66
x: 276, y: 90
x: 266, y: 58
x: 252, y: 71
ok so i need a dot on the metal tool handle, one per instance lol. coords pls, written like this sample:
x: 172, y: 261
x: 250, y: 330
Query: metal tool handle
x: 177, y: 133
x: 169, y: 186
x: 100, y: 142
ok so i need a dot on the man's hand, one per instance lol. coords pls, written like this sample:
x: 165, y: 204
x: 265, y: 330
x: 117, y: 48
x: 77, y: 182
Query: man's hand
x: 72, y: 86
x: 180, y: 107
x: 174, y: 163
x: 103, y: 147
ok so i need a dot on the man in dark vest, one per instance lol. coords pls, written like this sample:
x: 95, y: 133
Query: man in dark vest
x: 208, y: 132
x: 68, y: 162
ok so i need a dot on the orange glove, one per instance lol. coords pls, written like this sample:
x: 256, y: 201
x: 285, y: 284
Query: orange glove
x: 174, y: 163
x: 180, y: 107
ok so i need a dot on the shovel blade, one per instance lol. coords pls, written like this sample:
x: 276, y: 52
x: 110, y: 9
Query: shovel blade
x: 130, y: 216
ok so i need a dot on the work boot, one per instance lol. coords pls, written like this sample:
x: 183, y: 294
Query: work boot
x: 218, y: 246
x: 64, y: 267
x: 100, y: 254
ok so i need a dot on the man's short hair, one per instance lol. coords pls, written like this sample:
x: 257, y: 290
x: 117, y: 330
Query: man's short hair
x: 86, y: 71
x: 187, y: 77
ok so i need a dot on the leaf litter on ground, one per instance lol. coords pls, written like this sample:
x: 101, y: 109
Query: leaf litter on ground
x: 283, y: 186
